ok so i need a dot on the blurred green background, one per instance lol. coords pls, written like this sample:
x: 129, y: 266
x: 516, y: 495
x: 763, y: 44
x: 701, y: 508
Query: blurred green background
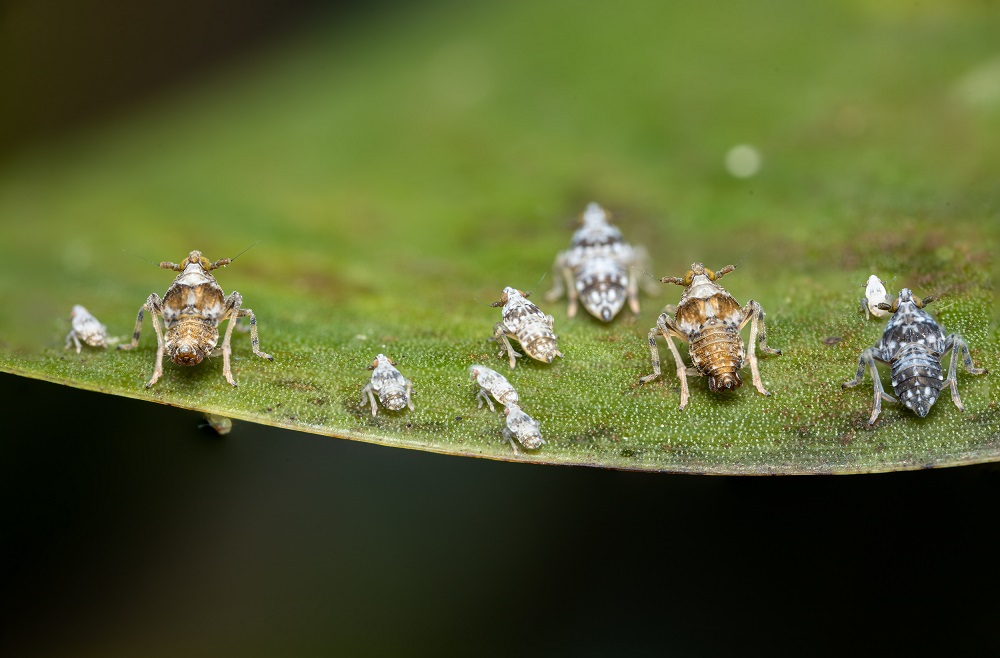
x: 129, y: 531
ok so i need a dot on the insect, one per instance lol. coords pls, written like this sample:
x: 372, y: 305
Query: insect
x: 394, y: 391
x: 493, y: 383
x: 599, y: 268
x: 709, y: 319
x: 913, y: 345
x: 192, y: 309
x: 875, y: 295
x: 522, y: 427
x: 86, y: 328
x: 524, y: 321
x: 221, y: 424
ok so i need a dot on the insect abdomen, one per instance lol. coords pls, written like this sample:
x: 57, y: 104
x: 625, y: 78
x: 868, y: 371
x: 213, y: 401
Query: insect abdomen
x: 717, y: 351
x: 538, y: 342
x: 602, y: 287
x: 917, y: 377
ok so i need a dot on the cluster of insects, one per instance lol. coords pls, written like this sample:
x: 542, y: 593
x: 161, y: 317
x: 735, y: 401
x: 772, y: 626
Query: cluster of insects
x: 520, y: 425
x: 600, y: 271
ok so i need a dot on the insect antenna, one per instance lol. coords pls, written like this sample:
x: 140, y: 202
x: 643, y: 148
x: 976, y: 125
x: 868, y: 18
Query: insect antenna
x: 141, y: 257
x: 646, y: 273
x: 540, y: 279
x: 244, y: 251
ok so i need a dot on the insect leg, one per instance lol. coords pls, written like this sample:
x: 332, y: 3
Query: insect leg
x: 507, y: 434
x: 71, y: 337
x: 409, y: 393
x: 367, y: 390
x: 483, y: 397
x: 254, y: 341
x: 754, y: 314
x: 868, y: 358
x: 500, y: 334
x: 959, y: 349
x: 232, y: 312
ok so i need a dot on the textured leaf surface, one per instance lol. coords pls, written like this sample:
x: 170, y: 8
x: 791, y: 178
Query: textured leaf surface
x: 400, y: 177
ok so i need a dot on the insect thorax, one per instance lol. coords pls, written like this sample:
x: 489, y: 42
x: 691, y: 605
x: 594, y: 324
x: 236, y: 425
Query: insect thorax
x: 712, y: 326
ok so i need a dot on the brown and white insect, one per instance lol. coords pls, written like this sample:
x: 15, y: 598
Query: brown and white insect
x: 492, y: 383
x: 394, y: 391
x: 192, y: 309
x: 709, y: 319
x: 522, y: 427
x: 86, y: 328
x: 913, y: 345
x: 524, y: 321
x: 599, y: 268
x: 875, y: 296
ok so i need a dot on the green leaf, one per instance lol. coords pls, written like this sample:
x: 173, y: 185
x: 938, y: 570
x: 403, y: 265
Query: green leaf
x: 399, y: 178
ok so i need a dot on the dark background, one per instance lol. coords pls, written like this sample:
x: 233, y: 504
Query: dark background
x: 129, y: 530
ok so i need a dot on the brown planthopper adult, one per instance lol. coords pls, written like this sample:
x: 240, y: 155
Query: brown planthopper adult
x: 192, y: 309
x: 599, y: 269
x: 710, y: 319
x: 913, y: 345
x: 524, y: 321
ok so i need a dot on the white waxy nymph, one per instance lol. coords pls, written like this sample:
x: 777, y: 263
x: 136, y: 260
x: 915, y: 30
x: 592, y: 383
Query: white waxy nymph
x: 524, y: 321
x: 522, y: 427
x: 600, y: 269
x: 492, y: 383
x: 875, y: 294
x: 86, y: 328
x: 394, y: 391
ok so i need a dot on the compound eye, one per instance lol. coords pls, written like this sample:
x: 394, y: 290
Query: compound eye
x: 918, y: 302
x: 711, y: 275
x: 895, y: 305
x: 503, y: 298
x: 374, y: 364
x: 688, y: 278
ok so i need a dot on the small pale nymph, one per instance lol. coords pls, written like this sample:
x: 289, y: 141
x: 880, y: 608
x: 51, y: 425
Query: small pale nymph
x: 492, y: 383
x: 913, y: 345
x: 875, y: 294
x: 599, y: 269
x: 522, y: 427
x: 86, y: 328
x: 710, y: 319
x: 524, y: 321
x: 394, y: 391
x: 192, y: 309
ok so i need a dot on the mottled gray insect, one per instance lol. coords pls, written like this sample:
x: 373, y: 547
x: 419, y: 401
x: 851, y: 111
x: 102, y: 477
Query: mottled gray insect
x: 394, y: 391
x: 875, y: 294
x: 913, y: 345
x: 709, y: 319
x: 524, y: 321
x: 522, y: 427
x: 492, y: 383
x: 86, y: 328
x: 192, y: 309
x: 599, y: 269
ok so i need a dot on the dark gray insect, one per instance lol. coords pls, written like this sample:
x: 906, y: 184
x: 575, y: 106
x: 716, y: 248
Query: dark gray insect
x: 599, y: 268
x: 913, y: 345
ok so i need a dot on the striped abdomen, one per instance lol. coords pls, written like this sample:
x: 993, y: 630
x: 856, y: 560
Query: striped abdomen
x: 917, y: 377
x: 717, y: 351
x: 602, y: 286
x: 538, y: 341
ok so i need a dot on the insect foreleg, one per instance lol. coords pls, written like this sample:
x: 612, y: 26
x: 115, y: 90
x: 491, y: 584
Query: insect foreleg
x: 868, y: 358
x: 500, y: 334
x: 367, y: 391
x: 665, y: 325
x: 154, y: 305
